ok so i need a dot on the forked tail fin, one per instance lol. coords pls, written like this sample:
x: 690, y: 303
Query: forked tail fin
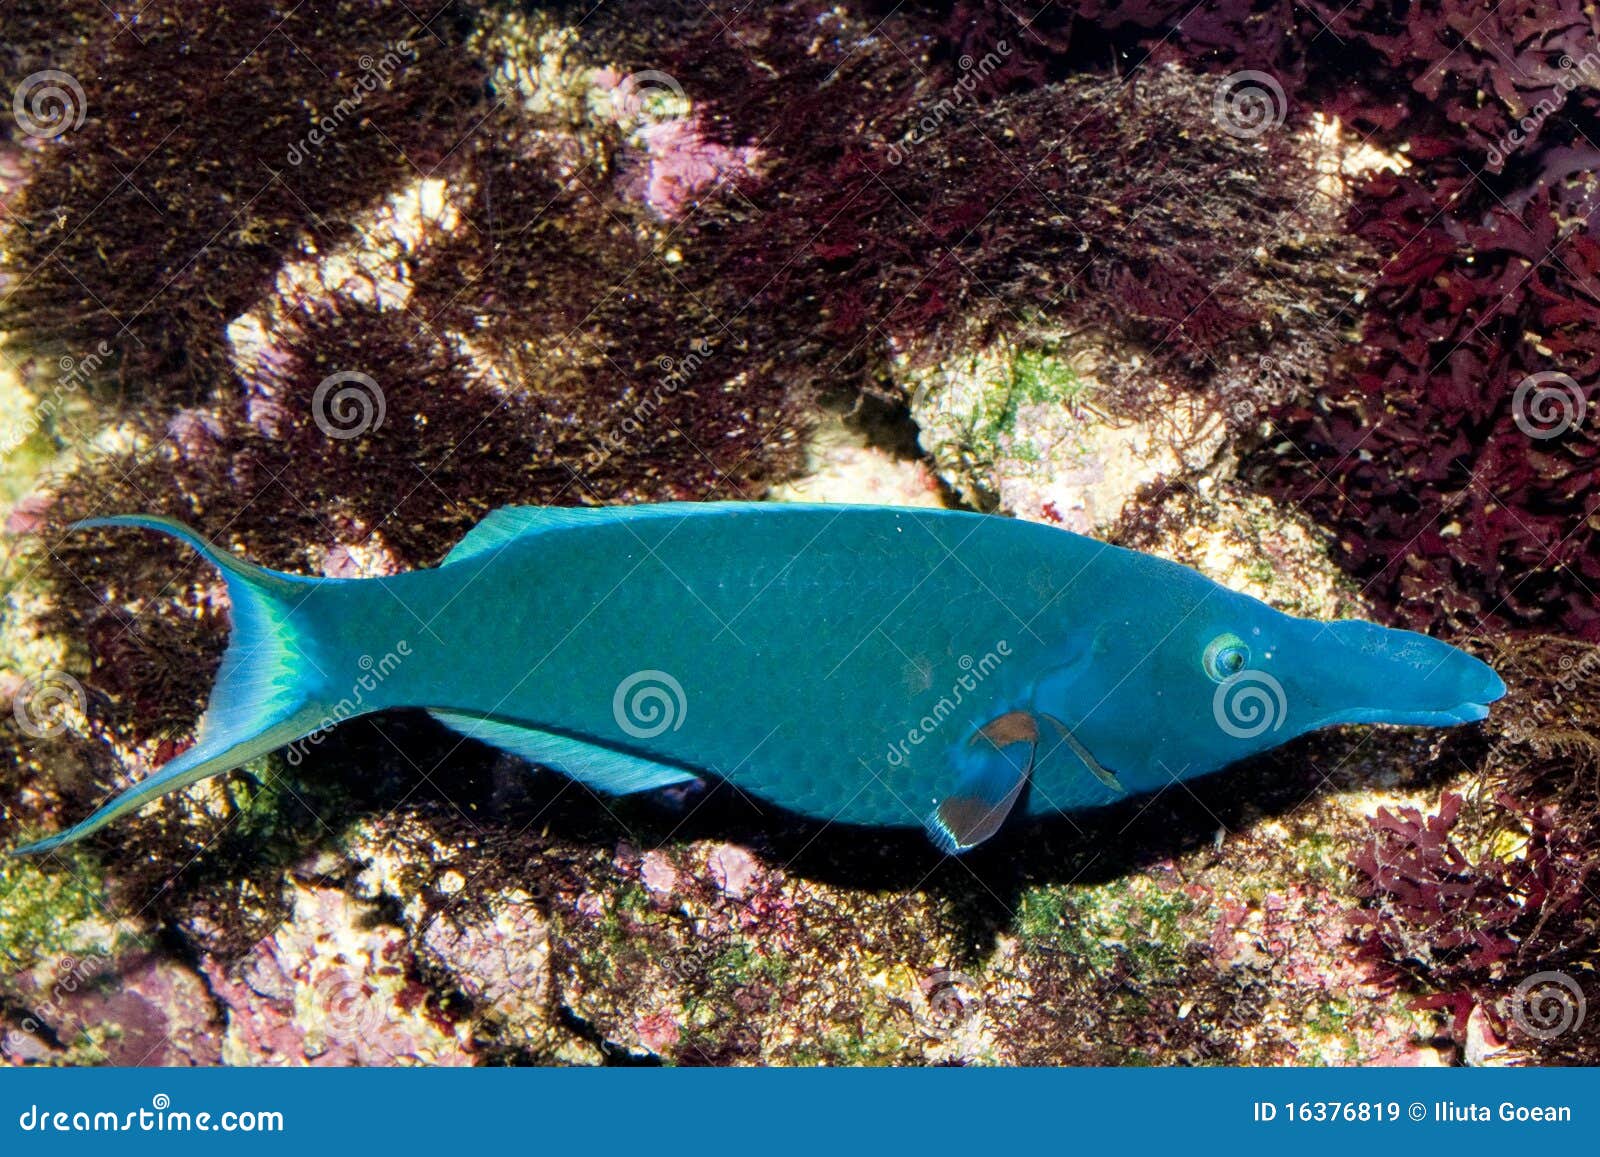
x: 264, y: 696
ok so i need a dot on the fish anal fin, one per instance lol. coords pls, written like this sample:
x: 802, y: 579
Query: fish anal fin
x: 993, y: 771
x: 602, y: 768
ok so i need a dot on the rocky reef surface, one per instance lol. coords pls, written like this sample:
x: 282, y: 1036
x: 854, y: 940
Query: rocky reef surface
x: 333, y: 285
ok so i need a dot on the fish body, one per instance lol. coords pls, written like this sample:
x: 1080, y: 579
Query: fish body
x: 865, y: 665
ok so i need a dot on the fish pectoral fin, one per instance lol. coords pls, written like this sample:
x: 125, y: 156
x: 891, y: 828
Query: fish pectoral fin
x: 993, y: 770
x: 602, y: 768
x: 1103, y: 774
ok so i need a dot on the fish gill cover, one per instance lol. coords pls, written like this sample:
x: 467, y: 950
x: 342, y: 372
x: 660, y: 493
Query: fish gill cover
x: 333, y: 283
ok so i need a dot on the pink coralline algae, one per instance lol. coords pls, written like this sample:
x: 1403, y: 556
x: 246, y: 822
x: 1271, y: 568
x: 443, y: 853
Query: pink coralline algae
x: 29, y: 514
x: 498, y: 959
x: 194, y: 432
x: 161, y: 1010
x: 733, y: 869
x: 658, y: 1032
x: 657, y: 872
x: 678, y: 164
x: 344, y: 563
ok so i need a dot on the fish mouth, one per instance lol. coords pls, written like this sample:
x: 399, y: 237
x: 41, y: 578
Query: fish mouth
x: 1491, y: 688
x: 1462, y: 687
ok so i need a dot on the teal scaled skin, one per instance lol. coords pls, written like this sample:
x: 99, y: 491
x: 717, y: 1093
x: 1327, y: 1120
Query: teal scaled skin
x: 865, y: 665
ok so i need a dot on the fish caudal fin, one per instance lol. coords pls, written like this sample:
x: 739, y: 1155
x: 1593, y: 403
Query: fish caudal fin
x: 264, y: 696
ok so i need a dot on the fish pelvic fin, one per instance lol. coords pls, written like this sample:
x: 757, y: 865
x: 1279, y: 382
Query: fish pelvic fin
x: 266, y: 694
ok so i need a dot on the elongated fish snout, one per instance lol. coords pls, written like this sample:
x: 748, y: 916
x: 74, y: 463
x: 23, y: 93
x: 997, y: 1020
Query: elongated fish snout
x: 1375, y: 674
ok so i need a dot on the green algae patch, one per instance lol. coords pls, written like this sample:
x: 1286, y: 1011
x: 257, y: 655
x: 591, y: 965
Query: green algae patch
x: 53, y: 915
x: 1038, y: 375
x: 975, y: 408
x: 1133, y: 920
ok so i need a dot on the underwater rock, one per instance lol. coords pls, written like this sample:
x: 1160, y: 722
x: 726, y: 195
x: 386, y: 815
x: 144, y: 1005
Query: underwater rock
x: 138, y: 1009
x: 334, y: 985
x: 741, y: 961
x: 1019, y: 430
x: 1245, y: 542
x: 499, y: 957
x: 851, y: 459
x: 1068, y: 424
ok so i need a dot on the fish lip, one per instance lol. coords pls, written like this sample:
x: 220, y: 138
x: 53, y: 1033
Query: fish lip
x: 1462, y: 713
x: 1470, y: 710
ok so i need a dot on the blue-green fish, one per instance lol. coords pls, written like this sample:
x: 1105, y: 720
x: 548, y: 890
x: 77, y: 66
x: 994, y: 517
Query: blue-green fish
x: 865, y: 665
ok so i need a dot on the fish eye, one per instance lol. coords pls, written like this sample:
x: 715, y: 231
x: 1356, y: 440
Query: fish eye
x: 1225, y: 657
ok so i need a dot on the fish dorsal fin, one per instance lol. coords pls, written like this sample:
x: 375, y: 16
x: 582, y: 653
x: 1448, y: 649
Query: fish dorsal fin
x: 513, y: 522
x: 612, y: 772
x: 510, y: 523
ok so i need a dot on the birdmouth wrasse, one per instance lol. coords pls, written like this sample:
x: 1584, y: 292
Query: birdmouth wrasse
x: 858, y: 664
